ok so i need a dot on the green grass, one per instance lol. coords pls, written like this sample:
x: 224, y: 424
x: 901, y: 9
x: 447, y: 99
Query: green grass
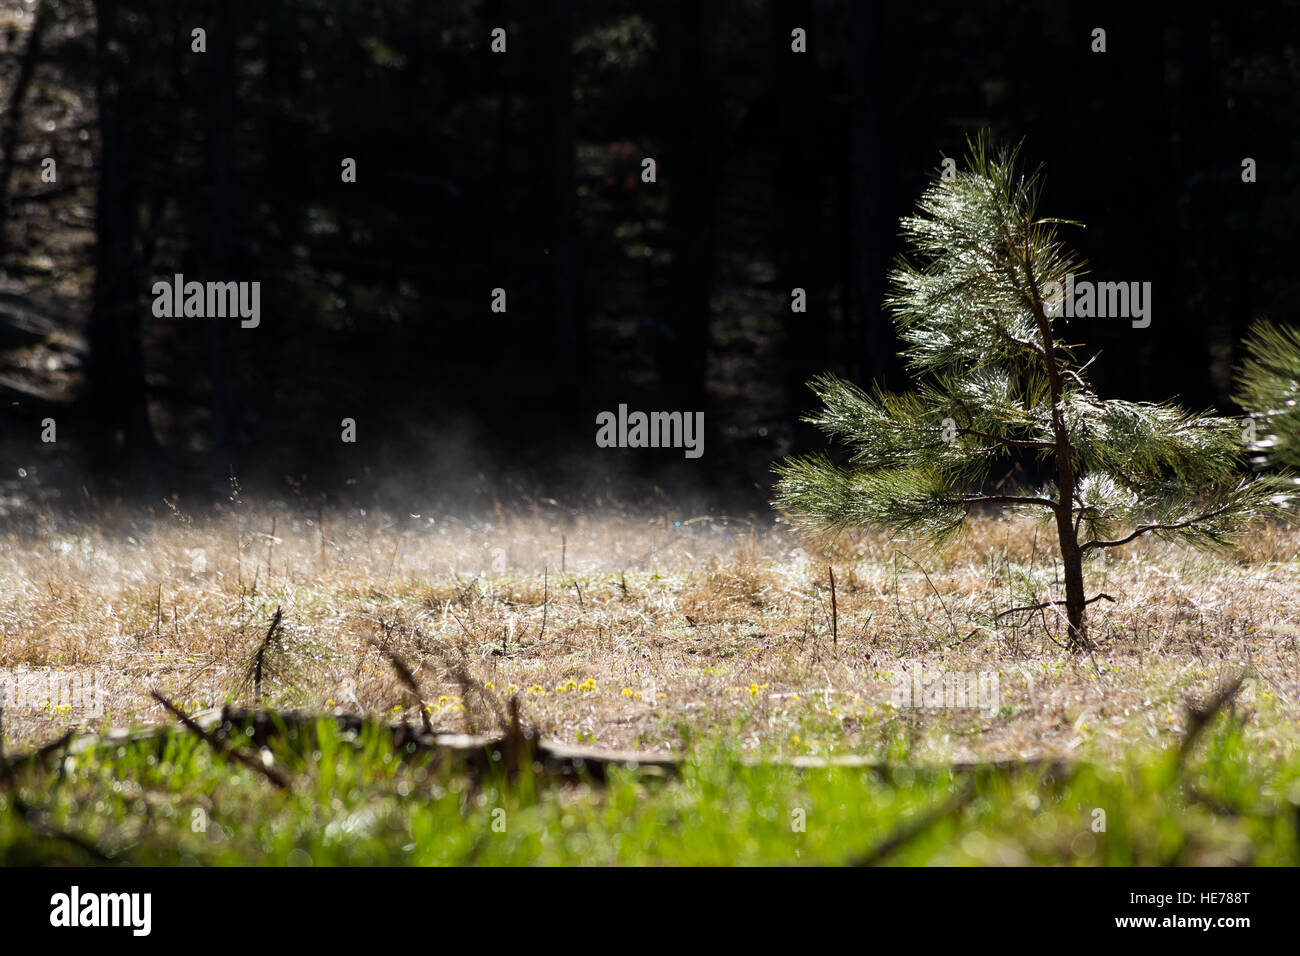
x: 356, y: 801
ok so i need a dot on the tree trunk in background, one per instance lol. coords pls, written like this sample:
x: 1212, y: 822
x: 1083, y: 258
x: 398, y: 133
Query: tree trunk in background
x: 567, y: 341
x: 1215, y: 276
x: 808, y: 336
x: 13, y: 116
x: 123, y: 439
x: 870, y: 334
x: 220, y: 260
x: 1134, y: 64
x: 686, y: 172
x: 285, y: 132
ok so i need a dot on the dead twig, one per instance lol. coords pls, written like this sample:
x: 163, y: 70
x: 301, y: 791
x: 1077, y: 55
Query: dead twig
x: 225, y: 752
x: 914, y: 828
x: 256, y: 669
x: 835, y: 610
x: 405, y: 675
x: 952, y: 627
x: 1048, y: 604
x: 470, y: 687
x: 546, y: 598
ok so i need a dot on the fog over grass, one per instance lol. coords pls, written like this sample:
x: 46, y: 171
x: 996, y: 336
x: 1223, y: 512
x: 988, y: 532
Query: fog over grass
x: 641, y: 628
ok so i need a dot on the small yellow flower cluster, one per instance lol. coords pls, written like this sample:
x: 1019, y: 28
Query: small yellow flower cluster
x: 635, y: 694
x: 452, y: 708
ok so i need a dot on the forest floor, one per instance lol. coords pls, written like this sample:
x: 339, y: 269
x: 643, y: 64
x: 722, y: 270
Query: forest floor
x: 645, y: 632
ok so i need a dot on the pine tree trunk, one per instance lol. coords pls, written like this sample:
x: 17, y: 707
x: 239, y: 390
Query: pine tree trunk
x: 1072, y: 565
x: 1071, y: 554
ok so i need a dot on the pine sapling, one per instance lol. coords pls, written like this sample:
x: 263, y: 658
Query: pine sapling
x: 979, y: 309
x: 1268, y: 386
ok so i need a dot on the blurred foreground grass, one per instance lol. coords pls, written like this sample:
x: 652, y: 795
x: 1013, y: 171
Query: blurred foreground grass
x: 354, y: 800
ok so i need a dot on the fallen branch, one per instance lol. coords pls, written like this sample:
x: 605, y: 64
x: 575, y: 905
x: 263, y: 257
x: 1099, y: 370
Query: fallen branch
x: 1198, y: 718
x: 29, y: 816
x: 39, y: 755
x: 479, y: 751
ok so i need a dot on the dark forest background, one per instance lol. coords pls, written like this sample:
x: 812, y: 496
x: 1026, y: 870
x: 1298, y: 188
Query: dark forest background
x: 522, y: 170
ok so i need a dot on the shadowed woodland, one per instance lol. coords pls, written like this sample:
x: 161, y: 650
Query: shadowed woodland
x: 522, y: 170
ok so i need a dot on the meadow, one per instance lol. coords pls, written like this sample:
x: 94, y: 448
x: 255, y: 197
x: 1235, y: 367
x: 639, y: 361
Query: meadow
x: 718, y: 641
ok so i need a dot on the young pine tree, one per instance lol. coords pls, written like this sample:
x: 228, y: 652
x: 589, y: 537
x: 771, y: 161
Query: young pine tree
x: 1268, y: 386
x: 978, y: 309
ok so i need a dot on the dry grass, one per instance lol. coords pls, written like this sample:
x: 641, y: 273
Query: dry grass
x: 639, y: 631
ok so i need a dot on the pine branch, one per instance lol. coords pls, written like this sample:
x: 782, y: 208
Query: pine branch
x: 1144, y: 529
x: 1214, y: 524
